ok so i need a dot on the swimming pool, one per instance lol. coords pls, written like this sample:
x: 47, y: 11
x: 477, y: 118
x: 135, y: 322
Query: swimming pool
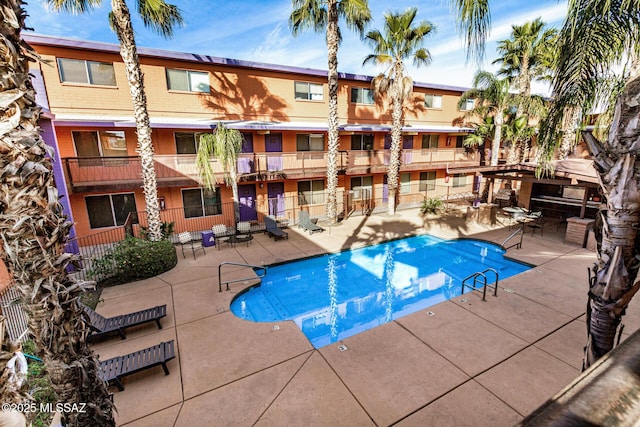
x: 335, y: 296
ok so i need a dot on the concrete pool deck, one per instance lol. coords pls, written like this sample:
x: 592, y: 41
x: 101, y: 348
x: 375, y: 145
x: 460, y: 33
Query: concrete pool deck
x: 463, y: 362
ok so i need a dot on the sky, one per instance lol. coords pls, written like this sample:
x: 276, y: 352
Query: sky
x: 258, y: 30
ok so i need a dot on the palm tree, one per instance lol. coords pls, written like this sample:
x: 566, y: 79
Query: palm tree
x: 323, y: 15
x: 225, y: 144
x: 34, y: 231
x: 482, y: 133
x: 526, y: 55
x: 596, y: 36
x: 492, y: 97
x: 400, y: 41
x: 161, y: 17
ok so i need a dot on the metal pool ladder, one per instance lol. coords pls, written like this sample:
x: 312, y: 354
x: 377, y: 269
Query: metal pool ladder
x: 481, y: 276
x: 254, y: 267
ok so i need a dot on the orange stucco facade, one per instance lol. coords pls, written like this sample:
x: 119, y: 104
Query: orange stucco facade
x: 257, y: 99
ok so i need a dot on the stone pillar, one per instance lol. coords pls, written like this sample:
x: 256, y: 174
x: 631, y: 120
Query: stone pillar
x: 577, y: 229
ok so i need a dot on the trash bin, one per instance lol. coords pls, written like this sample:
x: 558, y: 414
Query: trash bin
x: 208, y: 239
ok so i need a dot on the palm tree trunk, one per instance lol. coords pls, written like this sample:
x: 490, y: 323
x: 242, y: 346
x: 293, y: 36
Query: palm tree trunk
x: 129, y: 53
x: 233, y: 177
x: 34, y: 232
x: 495, y: 145
x: 616, y: 269
x: 333, y: 137
x: 569, y: 131
x: 396, y: 137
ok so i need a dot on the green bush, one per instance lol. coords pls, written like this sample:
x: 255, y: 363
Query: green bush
x: 134, y: 259
x: 166, y: 228
x: 40, y: 387
x: 432, y: 205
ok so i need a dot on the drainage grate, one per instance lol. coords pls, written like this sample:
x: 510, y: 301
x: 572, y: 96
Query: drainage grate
x: 276, y: 328
x: 463, y: 300
x: 430, y: 313
x: 342, y: 347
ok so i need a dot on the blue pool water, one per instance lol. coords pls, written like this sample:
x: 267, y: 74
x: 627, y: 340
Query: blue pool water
x: 339, y: 295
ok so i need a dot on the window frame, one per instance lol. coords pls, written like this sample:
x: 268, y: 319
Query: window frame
x: 309, y: 94
x: 428, y: 138
x: 88, y: 73
x: 314, y: 195
x: 217, y: 204
x: 114, y: 216
x: 433, y: 98
x: 426, y: 182
x: 405, y: 187
x: 360, y: 97
x: 196, y: 140
x: 466, y: 106
x: 309, y: 138
x: 362, y: 187
x: 190, y: 88
x: 361, y: 137
x: 459, y: 180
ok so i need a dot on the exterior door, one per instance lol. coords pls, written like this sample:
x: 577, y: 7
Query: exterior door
x: 245, y: 160
x: 273, y: 144
x: 385, y: 189
x: 275, y: 192
x: 247, y: 199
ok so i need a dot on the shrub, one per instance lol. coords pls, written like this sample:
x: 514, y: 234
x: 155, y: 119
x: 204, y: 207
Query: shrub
x: 166, y: 228
x: 40, y: 387
x: 134, y: 259
x: 432, y: 205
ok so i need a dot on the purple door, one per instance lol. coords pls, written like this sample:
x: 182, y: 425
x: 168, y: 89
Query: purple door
x: 275, y: 192
x: 273, y: 144
x: 246, y: 162
x: 247, y: 199
x: 407, y: 147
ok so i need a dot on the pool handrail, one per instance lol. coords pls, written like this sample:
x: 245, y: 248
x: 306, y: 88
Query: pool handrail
x: 254, y: 267
x: 482, y: 274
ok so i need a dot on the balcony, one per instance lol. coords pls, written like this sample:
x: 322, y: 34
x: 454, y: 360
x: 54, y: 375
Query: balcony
x: 86, y: 174
x: 377, y: 161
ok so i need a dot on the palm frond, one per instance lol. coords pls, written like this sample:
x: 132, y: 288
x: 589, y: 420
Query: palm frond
x: 308, y: 14
x: 160, y: 16
x: 356, y: 14
x: 75, y: 7
x: 474, y: 23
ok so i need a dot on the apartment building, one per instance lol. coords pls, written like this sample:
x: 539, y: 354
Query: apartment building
x: 282, y: 114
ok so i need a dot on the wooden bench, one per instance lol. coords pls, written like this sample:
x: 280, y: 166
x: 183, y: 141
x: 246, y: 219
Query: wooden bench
x: 112, y: 370
x: 101, y: 325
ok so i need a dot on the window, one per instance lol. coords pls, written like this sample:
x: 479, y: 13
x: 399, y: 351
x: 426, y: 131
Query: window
x: 427, y: 181
x: 100, y: 144
x: 430, y: 141
x: 362, y: 141
x: 459, y: 180
x: 468, y: 105
x: 362, y: 187
x: 188, y: 81
x: 309, y: 91
x: 198, y: 202
x: 311, y: 192
x: 433, y: 101
x: 310, y: 142
x: 361, y: 95
x: 460, y: 141
x: 110, y: 210
x: 187, y: 142
x: 89, y: 72
x: 405, y: 183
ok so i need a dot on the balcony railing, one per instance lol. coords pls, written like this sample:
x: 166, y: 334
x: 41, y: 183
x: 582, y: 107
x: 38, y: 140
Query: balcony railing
x: 101, y: 173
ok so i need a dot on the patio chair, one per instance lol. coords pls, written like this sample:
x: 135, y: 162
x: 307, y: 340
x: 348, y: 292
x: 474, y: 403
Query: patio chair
x: 305, y: 222
x: 271, y: 228
x: 537, y: 222
x: 243, y: 233
x: 185, y: 239
x: 222, y: 234
x: 113, y: 370
x: 101, y: 325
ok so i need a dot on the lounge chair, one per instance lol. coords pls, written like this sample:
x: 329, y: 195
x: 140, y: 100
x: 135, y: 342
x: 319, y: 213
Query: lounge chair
x: 305, y: 222
x: 101, y: 325
x: 271, y: 228
x: 222, y: 234
x: 185, y: 239
x: 112, y: 370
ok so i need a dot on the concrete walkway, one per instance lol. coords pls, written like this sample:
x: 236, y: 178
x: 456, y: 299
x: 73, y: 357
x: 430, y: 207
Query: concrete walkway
x: 463, y: 362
